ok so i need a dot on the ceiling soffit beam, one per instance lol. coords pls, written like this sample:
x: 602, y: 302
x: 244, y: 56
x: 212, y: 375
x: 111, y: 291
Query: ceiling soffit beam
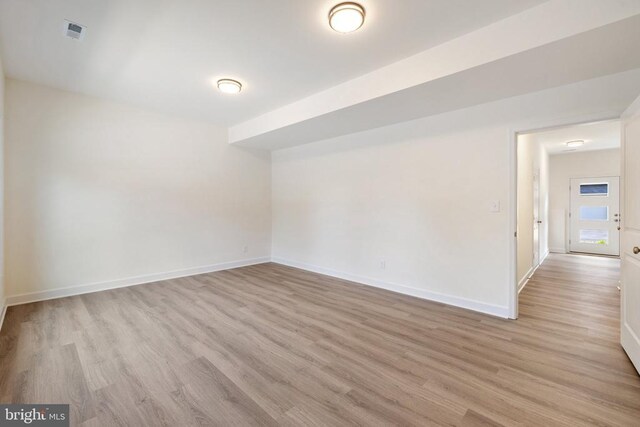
x: 536, y: 27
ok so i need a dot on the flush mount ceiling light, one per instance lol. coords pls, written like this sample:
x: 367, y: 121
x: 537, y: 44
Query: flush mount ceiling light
x: 575, y: 143
x: 229, y: 86
x: 346, y: 17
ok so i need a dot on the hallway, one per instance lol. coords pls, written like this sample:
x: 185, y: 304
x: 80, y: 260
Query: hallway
x: 579, y: 295
x: 570, y: 312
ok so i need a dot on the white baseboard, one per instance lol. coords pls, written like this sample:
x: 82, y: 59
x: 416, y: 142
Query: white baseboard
x: 558, y: 250
x: 494, y: 310
x: 129, y: 281
x: 523, y: 282
x: 544, y: 256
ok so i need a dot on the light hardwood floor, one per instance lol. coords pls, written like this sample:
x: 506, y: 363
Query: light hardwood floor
x: 272, y: 345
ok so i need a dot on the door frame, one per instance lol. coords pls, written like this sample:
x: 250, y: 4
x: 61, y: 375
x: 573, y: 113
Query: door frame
x: 513, y: 132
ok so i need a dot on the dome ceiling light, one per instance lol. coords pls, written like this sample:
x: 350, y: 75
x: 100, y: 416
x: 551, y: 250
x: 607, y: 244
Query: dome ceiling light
x: 346, y: 17
x: 229, y: 86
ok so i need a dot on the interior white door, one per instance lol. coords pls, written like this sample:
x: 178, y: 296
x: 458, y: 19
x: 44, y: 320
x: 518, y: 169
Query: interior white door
x: 536, y: 218
x: 630, y: 281
x: 595, y: 215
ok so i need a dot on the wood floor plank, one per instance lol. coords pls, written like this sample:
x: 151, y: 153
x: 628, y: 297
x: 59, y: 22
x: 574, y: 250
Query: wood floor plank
x: 274, y: 345
x: 214, y: 394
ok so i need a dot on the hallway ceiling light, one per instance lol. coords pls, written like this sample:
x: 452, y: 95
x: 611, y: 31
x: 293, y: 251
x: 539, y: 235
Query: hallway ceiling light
x: 576, y: 143
x: 346, y: 17
x: 229, y: 86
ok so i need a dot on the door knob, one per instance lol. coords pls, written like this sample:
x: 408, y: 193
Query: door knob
x: 636, y: 250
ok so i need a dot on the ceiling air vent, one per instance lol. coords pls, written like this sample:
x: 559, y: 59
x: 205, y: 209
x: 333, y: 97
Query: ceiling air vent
x: 73, y: 30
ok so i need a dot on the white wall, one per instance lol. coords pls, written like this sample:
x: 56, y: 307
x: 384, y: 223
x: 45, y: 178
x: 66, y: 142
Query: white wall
x: 417, y: 196
x: 98, y: 191
x: 102, y: 193
x: 563, y: 167
x: 532, y: 159
x: 526, y: 149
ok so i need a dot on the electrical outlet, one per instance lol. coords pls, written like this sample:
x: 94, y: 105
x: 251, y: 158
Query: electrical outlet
x: 494, y: 206
x: 383, y: 265
x: 245, y: 249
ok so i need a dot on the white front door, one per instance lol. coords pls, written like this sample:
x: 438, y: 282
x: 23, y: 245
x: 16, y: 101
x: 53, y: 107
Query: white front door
x: 595, y: 215
x: 630, y: 283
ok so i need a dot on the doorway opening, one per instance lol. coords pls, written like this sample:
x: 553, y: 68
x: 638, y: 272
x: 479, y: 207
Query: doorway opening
x: 567, y: 194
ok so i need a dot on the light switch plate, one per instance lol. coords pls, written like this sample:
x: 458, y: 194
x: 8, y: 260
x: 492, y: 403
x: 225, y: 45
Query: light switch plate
x: 494, y: 207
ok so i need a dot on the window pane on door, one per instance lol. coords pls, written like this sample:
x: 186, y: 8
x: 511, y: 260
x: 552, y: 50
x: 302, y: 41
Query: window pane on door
x: 594, y: 189
x: 596, y: 237
x: 594, y: 213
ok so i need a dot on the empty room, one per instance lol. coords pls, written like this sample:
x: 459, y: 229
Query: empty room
x: 320, y: 213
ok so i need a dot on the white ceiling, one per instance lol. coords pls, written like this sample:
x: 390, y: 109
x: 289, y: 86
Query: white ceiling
x: 164, y: 54
x: 597, y: 136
